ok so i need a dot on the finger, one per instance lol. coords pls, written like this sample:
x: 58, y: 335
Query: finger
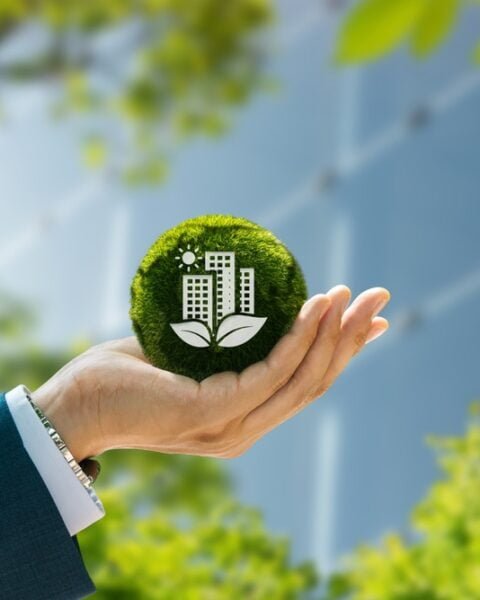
x: 356, y: 325
x: 259, y: 381
x: 307, y: 376
x: 265, y: 419
x: 378, y: 327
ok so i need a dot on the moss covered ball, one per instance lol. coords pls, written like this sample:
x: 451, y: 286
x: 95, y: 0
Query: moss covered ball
x: 215, y: 293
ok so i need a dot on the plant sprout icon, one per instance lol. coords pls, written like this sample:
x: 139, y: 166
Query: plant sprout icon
x: 210, y: 320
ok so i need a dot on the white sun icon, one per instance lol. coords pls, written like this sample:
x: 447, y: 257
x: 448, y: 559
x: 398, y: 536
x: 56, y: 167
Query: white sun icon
x: 188, y: 258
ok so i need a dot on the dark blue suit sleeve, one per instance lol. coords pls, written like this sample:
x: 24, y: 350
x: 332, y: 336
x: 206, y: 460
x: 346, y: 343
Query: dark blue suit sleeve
x: 38, y: 558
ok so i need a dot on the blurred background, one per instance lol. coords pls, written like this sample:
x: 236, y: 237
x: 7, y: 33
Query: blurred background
x: 351, y: 130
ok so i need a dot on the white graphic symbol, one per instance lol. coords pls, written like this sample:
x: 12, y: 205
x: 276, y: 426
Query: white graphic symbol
x: 208, y: 320
x: 188, y: 258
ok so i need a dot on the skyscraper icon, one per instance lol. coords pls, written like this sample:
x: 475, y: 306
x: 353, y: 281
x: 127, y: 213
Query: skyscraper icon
x: 211, y: 318
x: 223, y: 264
x: 247, y: 290
x: 198, y: 298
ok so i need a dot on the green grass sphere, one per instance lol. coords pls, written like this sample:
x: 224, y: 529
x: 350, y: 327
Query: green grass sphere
x: 162, y: 323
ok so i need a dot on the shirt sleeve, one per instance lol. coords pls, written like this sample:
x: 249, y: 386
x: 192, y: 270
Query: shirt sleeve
x: 76, y: 507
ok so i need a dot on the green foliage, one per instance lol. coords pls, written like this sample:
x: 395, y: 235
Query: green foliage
x: 167, y: 69
x: 94, y: 152
x: 373, y: 28
x: 436, y: 22
x: 157, y: 299
x: 476, y: 54
x: 184, y: 544
x: 15, y: 319
x: 173, y: 529
x: 443, y: 562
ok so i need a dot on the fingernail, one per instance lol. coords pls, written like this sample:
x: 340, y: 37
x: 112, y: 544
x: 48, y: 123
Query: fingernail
x: 381, y: 304
x: 307, y: 307
x: 314, y: 299
x: 344, y: 303
x: 376, y: 335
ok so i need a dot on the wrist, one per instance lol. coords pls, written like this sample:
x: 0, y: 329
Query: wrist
x: 68, y: 414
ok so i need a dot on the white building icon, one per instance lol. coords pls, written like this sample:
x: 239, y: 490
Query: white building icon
x: 199, y: 303
x: 223, y: 264
x: 198, y: 298
x: 247, y: 290
x: 211, y: 319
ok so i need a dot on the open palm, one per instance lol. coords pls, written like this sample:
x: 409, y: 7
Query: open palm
x: 112, y: 397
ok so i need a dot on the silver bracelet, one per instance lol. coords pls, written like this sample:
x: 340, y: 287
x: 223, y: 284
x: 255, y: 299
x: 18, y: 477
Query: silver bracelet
x: 84, y: 479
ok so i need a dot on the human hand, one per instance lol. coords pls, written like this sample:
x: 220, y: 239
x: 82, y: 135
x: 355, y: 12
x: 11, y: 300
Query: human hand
x: 112, y: 397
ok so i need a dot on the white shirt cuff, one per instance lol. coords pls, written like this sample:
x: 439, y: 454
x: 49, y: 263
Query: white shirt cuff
x: 76, y: 507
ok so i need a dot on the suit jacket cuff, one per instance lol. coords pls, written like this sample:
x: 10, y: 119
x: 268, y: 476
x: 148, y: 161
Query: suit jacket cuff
x: 39, y: 560
x: 77, y: 508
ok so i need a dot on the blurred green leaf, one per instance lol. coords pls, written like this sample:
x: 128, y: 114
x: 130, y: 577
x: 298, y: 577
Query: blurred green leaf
x: 476, y: 54
x: 16, y: 319
x: 152, y: 171
x: 436, y: 22
x: 178, y: 68
x: 441, y: 557
x: 474, y: 409
x: 95, y: 152
x: 375, y: 27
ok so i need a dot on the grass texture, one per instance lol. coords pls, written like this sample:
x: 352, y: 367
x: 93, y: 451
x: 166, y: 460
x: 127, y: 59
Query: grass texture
x: 156, y: 293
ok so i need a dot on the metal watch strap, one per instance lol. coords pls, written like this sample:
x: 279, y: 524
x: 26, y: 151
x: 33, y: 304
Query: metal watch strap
x: 84, y: 479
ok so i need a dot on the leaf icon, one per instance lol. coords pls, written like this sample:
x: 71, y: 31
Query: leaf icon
x: 193, y: 333
x: 235, y: 330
